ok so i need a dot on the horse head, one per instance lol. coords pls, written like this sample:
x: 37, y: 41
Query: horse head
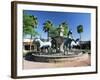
x: 75, y: 42
x: 77, y: 39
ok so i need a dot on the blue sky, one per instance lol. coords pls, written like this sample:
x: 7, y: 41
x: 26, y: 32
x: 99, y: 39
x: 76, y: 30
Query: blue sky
x: 73, y: 20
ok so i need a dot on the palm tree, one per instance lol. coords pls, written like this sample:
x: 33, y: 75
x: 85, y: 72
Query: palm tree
x: 65, y: 27
x: 80, y: 30
x: 34, y: 21
x: 53, y: 32
x: 47, y: 26
x: 29, y: 24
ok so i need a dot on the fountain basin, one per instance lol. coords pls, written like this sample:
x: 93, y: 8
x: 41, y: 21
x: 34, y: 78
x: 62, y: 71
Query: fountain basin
x: 58, y: 57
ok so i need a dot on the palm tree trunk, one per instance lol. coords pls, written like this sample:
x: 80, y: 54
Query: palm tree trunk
x: 31, y: 43
x: 48, y: 35
x: 80, y: 40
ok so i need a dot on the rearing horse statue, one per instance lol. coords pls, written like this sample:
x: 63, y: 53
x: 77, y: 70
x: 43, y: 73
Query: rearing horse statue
x: 69, y: 42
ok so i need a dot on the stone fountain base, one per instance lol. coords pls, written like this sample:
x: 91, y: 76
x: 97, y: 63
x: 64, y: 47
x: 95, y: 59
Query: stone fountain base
x: 55, y: 57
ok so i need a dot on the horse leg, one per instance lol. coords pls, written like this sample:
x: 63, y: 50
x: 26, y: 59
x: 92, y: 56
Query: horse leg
x: 49, y: 49
x: 67, y: 49
x: 40, y: 52
x: 46, y: 50
x: 64, y: 49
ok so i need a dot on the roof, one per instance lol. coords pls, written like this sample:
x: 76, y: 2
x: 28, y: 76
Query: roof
x: 28, y: 40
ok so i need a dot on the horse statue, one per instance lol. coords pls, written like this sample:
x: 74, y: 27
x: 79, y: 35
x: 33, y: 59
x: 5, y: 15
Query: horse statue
x: 75, y: 43
x: 70, y: 43
x: 43, y: 44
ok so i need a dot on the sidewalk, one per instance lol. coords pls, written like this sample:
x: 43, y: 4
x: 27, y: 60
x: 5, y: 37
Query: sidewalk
x: 84, y: 60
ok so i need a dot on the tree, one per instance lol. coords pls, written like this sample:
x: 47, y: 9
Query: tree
x: 65, y: 27
x: 47, y: 27
x: 80, y: 30
x: 53, y: 32
x: 29, y: 24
